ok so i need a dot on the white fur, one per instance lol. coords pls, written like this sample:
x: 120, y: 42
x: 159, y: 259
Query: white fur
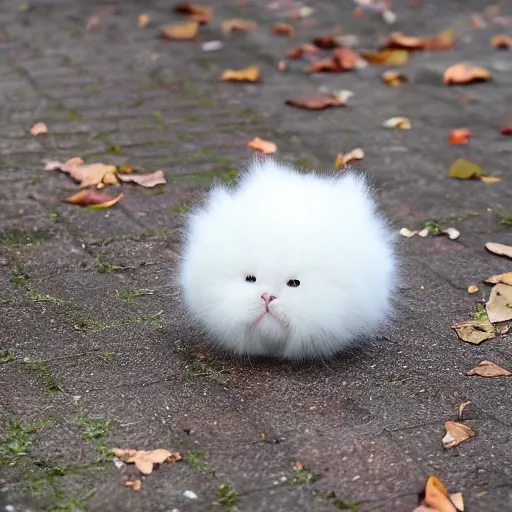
x: 279, y: 224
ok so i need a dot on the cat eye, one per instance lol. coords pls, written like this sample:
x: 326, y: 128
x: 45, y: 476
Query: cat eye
x: 250, y: 279
x: 293, y: 283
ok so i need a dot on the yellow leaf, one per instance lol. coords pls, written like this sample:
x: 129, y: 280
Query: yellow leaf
x: 472, y: 289
x: 388, y: 57
x: 464, y: 170
x: 250, y: 74
x: 475, y: 331
x: 181, y: 31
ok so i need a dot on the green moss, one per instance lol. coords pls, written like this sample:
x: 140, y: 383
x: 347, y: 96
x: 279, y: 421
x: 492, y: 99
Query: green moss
x: 196, y: 459
x: 157, y: 116
x: 114, y: 148
x: 207, y: 102
x: 226, y: 495
x: 480, y: 313
x: 505, y: 219
x: 92, y: 428
x: 304, y: 475
x: 303, y: 163
x: 107, y: 267
x: 40, y: 297
x: 153, y: 191
x: 93, y: 90
x: 191, y: 118
x: 107, y: 355
x: 45, y: 374
x: 129, y: 295
x: 17, y: 236
x: 346, y: 505
x: 73, y: 115
x: 181, y: 208
x: 7, y: 356
x: 199, y: 369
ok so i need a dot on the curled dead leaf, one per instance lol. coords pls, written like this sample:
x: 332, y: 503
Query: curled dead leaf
x: 343, y: 59
x: 232, y: 24
x: 90, y: 198
x: 403, y: 123
x: 87, y: 175
x: 250, y: 74
x: 460, y: 136
x: 283, y: 29
x: 465, y: 74
x: 148, y: 180
x: 134, y: 484
x: 305, y: 48
x: 475, y: 331
x: 181, y: 31
x: 442, y: 41
x: 462, y: 406
x: 501, y: 278
x: 452, y: 233
x: 264, y: 147
x: 351, y: 156
x: 408, y: 233
x: 436, y: 496
x: 456, y: 433
x: 499, y: 305
x: 488, y: 369
x: 326, y: 42
x: 315, y: 101
x: 472, y: 289
x: 393, y: 78
x: 196, y: 12
x: 463, y: 169
x: 499, y: 249
x: 38, y: 129
x: 145, y: 460
x: 501, y: 41
x: 388, y: 57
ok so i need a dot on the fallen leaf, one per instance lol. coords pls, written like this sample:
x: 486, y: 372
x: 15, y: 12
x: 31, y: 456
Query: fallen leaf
x: 456, y: 433
x: 506, y: 130
x: 465, y: 74
x: 463, y: 169
x: 460, y: 136
x: 408, y: 233
x: 283, y: 29
x: 149, y: 180
x: 403, y: 123
x: 351, y: 156
x: 480, y: 494
x: 393, y: 78
x: 388, y: 57
x: 501, y: 278
x: 502, y: 41
x: 343, y: 59
x: 110, y: 179
x: 181, y: 31
x: 92, y: 22
x: 499, y: 305
x: 442, y: 41
x: 499, y: 249
x: 325, y: 42
x: 134, y: 484
x: 250, y: 74
x: 462, y: 406
x: 490, y: 179
x: 315, y: 101
x: 90, y: 198
x: 38, y: 129
x: 343, y: 95
x: 143, y: 20
x: 264, y: 147
x: 472, y: 289
x: 87, y: 175
x: 477, y: 21
x: 305, y: 48
x: 458, y: 501
x: 502, y: 330
x: 232, y: 24
x: 475, y: 331
x: 436, y: 496
x: 452, y: 233
x: 488, y: 369
x: 197, y: 12
x: 145, y: 460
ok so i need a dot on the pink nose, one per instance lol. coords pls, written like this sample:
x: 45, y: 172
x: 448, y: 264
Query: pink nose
x: 268, y: 298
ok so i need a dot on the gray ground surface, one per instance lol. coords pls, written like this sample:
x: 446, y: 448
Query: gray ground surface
x: 370, y: 425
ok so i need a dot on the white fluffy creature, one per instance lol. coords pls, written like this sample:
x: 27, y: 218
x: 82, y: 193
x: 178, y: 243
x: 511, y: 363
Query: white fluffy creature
x: 288, y: 264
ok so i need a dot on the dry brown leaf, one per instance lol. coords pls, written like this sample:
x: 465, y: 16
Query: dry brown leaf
x: 86, y: 174
x: 181, y: 31
x: 351, y: 156
x: 460, y: 136
x: 501, y: 278
x: 264, y: 147
x: 436, y: 496
x: 475, y: 331
x: 315, y: 101
x: 305, y: 48
x: 90, y: 198
x: 403, y: 123
x: 506, y: 130
x: 472, y: 289
x: 463, y: 169
x: 145, y: 460
x: 149, y: 180
x: 110, y: 179
x: 388, y: 57
x: 502, y: 41
x: 232, y: 24
x: 250, y: 74
x: 143, y: 20
x: 442, y: 41
x: 283, y: 29
x: 393, y: 78
x: 38, y: 129
x: 490, y: 179
x: 465, y: 74
x: 197, y: 12
x: 92, y: 22
x: 462, y: 406
x: 499, y: 305
x: 326, y: 42
x: 499, y: 249
x: 343, y: 59
x: 134, y: 484
x: 456, y: 433
x: 488, y: 369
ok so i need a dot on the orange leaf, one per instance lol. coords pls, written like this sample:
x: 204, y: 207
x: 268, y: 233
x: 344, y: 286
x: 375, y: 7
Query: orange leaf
x: 351, y: 156
x: 472, y: 289
x: 393, y: 78
x: 460, y: 136
x: 343, y: 59
x: 500, y: 278
x: 315, y: 101
x: 250, y: 74
x: 389, y: 57
x: 436, y: 496
x: 149, y: 180
x: 181, y: 31
x: 325, y: 42
x: 502, y: 41
x: 488, y: 369
x: 456, y: 433
x: 283, y: 29
x: 232, y: 24
x: 264, y: 147
x: 442, y: 41
x: 38, y: 129
x: 197, y: 12
x: 506, y: 130
x: 298, y: 52
x: 145, y: 460
x: 89, y: 198
x: 465, y: 73
x: 134, y: 484
x: 143, y: 20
